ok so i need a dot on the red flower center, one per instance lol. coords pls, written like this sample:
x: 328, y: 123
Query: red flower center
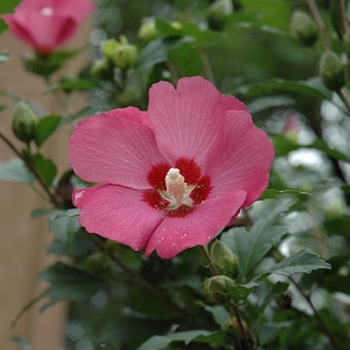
x: 177, y: 190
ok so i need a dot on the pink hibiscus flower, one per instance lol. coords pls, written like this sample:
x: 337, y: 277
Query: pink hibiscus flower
x: 172, y: 177
x: 46, y: 24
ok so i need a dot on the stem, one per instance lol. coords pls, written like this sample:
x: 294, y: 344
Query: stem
x: 246, y: 340
x: 134, y: 277
x: 30, y: 166
x: 345, y: 96
x: 342, y: 17
x: 207, y: 67
x: 319, y: 22
x: 333, y: 340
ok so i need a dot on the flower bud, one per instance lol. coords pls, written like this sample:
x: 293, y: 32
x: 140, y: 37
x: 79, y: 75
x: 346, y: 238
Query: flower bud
x: 148, y: 30
x: 101, y: 69
x: 129, y: 97
x: 108, y: 46
x: 225, y: 261
x: 331, y: 70
x: 217, y: 13
x: 124, y: 55
x: 23, y: 122
x: 216, y: 288
x: 304, y: 28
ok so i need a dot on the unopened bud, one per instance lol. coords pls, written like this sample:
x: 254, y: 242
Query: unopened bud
x: 107, y: 47
x: 130, y: 96
x: 148, y: 30
x: 125, y: 55
x: 304, y: 28
x: 101, y: 69
x: 24, y: 122
x: 216, y: 288
x: 331, y: 70
x: 225, y: 261
x: 218, y: 12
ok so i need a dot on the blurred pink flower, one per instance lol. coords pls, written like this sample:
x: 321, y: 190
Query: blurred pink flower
x: 46, y: 24
x: 172, y: 177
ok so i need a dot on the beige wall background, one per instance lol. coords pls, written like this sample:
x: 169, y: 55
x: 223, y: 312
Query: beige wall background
x: 22, y: 239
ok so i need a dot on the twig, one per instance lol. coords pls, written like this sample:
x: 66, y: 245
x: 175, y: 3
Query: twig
x: 134, y: 277
x: 342, y: 16
x: 319, y: 22
x: 30, y: 166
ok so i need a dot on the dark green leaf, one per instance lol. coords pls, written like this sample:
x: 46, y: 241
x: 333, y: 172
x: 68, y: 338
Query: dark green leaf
x: 302, y: 262
x: 252, y: 247
x: 70, y: 85
x: 161, y: 342
x: 219, y: 313
x: 45, y: 167
x: 45, y: 128
x: 241, y: 291
x: 6, y: 7
x: 262, y: 103
x: 64, y: 224
x: 308, y: 88
x: 187, y: 60
x: 15, y: 170
x: 69, y: 283
x: 37, y: 213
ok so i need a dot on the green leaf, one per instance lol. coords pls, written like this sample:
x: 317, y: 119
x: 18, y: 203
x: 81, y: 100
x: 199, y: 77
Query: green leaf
x: 187, y: 60
x: 45, y: 167
x: 241, y: 291
x: 323, y: 147
x: 21, y: 343
x: 161, y: 342
x: 69, y: 283
x: 219, y: 313
x: 45, y: 128
x: 64, y: 224
x: 4, y: 56
x: 74, y: 84
x: 6, y: 7
x: 16, y: 171
x: 252, y: 247
x: 275, y: 194
x: 302, y: 262
x: 262, y: 103
x: 311, y: 88
x: 157, y: 51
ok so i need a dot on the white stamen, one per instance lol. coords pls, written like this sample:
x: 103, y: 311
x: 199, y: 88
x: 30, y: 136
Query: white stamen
x: 175, y: 184
x: 47, y: 11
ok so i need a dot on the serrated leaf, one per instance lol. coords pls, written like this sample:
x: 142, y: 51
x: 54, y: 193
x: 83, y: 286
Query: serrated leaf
x: 16, y: 171
x: 45, y: 167
x: 45, y: 128
x: 161, y: 342
x: 302, y: 262
x: 69, y: 283
x: 252, y: 247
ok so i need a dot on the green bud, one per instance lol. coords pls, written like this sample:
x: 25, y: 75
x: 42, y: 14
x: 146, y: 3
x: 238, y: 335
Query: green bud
x: 101, y: 69
x: 218, y: 12
x: 107, y: 47
x: 304, y: 28
x: 331, y: 70
x: 224, y: 259
x: 124, y: 55
x: 42, y: 65
x: 24, y: 122
x: 148, y: 30
x: 216, y: 288
x: 129, y: 97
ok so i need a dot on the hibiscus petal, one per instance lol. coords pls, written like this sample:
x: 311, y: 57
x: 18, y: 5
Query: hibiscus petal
x: 242, y: 160
x: 175, y: 234
x: 187, y: 121
x: 117, y: 213
x: 115, y: 147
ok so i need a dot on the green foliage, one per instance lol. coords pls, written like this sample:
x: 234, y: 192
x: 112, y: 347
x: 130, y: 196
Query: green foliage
x: 7, y: 7
x: 267, y: 285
